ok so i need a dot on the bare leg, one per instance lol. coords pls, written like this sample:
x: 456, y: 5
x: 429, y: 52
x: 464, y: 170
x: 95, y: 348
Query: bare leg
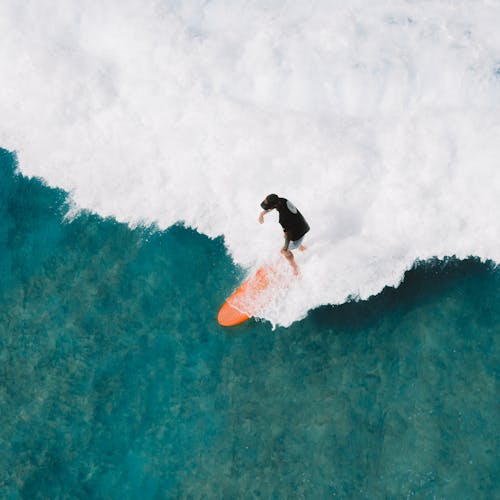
x: 289, y: 257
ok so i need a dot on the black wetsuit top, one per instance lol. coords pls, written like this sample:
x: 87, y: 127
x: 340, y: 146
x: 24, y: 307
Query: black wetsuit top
x: 291, y: 220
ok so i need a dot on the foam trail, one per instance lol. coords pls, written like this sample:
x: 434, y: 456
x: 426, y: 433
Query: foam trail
x: 380, y: 121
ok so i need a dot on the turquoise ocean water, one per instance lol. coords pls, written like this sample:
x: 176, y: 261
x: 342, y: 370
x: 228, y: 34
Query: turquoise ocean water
x: 117, y: 382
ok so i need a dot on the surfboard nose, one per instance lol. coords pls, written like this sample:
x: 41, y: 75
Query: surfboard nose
x: 230, y: 316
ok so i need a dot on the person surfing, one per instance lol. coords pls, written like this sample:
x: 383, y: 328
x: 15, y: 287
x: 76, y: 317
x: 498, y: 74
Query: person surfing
x: 293, y: 223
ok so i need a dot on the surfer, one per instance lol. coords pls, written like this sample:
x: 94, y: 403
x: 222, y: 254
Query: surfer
x: 294, y: 225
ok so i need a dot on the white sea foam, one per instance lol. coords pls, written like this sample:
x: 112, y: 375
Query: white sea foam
x: 379, y: 120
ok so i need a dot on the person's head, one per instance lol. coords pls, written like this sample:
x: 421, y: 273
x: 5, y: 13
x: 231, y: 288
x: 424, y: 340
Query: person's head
x: 270, y: 202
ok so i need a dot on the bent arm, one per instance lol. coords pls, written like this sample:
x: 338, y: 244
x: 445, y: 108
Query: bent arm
x: 261, y: 216
x: 287, y: 242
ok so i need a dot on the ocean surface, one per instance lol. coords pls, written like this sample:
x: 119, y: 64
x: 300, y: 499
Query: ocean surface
x: 117, y: 382
x: 138, y: 138
x: 378, y: 120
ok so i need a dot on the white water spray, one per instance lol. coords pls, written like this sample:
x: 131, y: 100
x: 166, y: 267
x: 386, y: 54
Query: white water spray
x: 379, y: 120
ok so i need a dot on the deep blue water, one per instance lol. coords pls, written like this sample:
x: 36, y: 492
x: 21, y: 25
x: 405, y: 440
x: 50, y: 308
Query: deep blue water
x: 117, y: 382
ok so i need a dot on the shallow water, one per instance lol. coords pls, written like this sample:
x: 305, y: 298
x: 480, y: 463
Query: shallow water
x: 117, y: 382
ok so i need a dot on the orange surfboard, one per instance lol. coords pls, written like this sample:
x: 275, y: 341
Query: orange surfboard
x: 250, y: 296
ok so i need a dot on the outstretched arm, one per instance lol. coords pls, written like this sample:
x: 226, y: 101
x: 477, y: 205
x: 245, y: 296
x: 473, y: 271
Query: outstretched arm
x: 261, y: 216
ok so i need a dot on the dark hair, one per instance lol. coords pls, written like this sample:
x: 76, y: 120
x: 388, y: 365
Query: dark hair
x: 270, y: 202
